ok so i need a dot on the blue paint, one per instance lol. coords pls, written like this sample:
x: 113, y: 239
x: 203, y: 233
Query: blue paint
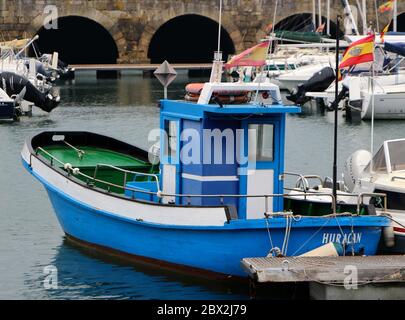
x: 144, y: 187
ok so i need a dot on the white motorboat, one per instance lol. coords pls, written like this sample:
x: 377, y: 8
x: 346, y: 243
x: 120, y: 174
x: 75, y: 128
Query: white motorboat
x: 384, y: 173
x: 292, y: 79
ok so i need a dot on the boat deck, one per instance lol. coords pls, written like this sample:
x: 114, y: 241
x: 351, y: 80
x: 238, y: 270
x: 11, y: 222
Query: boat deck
x: 93, y: 156
x: 380, y: 269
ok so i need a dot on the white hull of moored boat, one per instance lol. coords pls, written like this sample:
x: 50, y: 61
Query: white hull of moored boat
x: 387, y: 106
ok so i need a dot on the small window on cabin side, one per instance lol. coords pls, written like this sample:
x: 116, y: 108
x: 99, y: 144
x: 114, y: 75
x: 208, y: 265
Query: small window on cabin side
x: 261, y: 142
x: 171, y: 131
x: 378, y: 162
x: 397, y: 155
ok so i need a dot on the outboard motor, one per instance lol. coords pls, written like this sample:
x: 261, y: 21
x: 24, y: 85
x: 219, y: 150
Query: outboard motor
x: 42, y: 70
x: 354, y: 168
x: 319, y: 82
x: 13, y: 84
x: 65, y: 72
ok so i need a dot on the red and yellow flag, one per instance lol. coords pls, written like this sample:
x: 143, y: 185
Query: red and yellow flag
x: 388, y: 6
x: 359, y: 52
x: 384, y: 31
x: 255, y: 57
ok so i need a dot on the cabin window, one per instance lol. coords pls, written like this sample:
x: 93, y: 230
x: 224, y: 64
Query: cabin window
x: 397, y: 155
x: 379, y: 163
x: 261, y: 142
x: 172, y: 138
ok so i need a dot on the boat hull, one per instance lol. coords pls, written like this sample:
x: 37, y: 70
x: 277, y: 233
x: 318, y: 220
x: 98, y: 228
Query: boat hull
x: 217, y: 249
x: 387, y: 107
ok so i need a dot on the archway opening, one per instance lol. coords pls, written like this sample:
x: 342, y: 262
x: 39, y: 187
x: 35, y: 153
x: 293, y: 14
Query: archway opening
x: 303, y: 22
x: 400, y: 23
x: 189, y: 39
x: 78, y: 40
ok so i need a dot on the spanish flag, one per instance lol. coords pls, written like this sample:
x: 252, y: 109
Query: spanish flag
x: 359, y: 52
x: 384, y: 31
x: 255, y: 57
x: 388, y: 6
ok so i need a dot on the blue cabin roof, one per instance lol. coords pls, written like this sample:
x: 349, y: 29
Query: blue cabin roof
x: 190, y: 110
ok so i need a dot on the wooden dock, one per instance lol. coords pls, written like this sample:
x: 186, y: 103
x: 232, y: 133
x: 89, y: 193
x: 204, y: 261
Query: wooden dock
x: 137, y: 67
x: 337, y: 278
x: 326, y: 269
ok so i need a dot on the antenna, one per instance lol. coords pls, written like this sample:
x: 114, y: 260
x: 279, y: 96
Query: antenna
x: 219, y: 26
x: 216, y: 72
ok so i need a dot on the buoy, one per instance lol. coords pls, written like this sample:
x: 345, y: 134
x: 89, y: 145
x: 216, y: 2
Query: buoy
x: 389, y: 237
x: 328, y: 250
x: 193, y: 91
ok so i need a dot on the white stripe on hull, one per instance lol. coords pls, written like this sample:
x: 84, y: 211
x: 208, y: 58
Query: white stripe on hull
x: 166, y: 215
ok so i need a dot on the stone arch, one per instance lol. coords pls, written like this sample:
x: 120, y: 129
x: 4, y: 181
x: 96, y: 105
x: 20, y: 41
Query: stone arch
x: 401, y: 22
x: 308, y: 15
x: 109, y: 24
x: 153, y: 26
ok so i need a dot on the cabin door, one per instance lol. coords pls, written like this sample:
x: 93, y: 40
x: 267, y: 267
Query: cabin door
x: 170, y: 159
x: 260, y: 174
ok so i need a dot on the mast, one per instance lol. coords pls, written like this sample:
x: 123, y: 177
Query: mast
x: 376, y: 15
x: 216, y: 72
x: 314, y: 14
x: 395, y: 18
x: 328, y: 17
x: 336, y: 114
x: 350, y: 13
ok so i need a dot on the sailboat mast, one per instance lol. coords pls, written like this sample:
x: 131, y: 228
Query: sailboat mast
x: 328, y: 17
x: 364, y: 17
x: 395, y: 18
x: 314, y: 14
x: 350, y: 13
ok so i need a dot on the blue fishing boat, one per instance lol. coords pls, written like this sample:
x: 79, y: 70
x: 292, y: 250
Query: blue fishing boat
x: 207, y: 194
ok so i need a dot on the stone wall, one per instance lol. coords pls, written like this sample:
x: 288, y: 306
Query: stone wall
x: 132, y: 23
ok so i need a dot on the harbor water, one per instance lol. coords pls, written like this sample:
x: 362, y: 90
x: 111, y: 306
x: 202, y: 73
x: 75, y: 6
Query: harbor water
x: 31, y: 241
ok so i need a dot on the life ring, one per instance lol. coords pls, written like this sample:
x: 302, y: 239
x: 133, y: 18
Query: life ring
x: 224, y: 99
x: 193, y: 92
x: 196, y: 88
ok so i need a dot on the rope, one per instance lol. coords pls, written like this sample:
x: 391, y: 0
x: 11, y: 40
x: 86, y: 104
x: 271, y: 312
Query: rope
x: 313, y: 236
x: 269, y: 233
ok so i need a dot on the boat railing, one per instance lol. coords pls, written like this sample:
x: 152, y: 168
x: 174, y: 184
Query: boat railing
x: 361, y: 196
x: 302, y: 179
x: 303, y: 185
x: 160, y: 195
x: 266, y: 198
x: 69, y: 168
x: 75, y: 171
x: 397, y: 178
x: 126, y: 172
